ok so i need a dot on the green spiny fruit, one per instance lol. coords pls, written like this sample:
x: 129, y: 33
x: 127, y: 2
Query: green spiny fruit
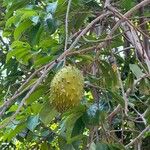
x: 67, y: 88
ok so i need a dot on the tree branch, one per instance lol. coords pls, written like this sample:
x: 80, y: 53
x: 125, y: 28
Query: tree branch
x: 130, y: 12
x: 135, y: 8
x: 122, y: 88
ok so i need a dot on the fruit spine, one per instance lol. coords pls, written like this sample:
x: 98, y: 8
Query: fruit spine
x: 66, y: 88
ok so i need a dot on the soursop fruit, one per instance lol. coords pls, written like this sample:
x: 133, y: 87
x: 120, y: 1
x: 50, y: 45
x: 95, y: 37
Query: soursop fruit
x: 66, y: 89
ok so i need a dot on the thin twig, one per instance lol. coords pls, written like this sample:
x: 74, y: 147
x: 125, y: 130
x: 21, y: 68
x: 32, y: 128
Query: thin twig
x: 7, y: 93
x: 66, y: 27
x: 85, y: 30
x: 135, y: 8
x: 138, y: 137
x: 122, y: 88
x: 141, y: 116
x: 66, y: 24
x: 107, y: 3
x: 135, y: 83
x: 129, y: 13
x: 101, y: 40
x: 7, y: 103
x: 114, y: 112
x: 121, y: 16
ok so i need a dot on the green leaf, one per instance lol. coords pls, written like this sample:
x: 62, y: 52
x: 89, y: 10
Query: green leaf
x: 106, y: 76
x: 48, y: 113
x: 51, y: 25
x: 12, y: 20
x: 15, y: 131
x: 36, y: 94
x: 94, y: 115
x: 76, y: 138
x: 21, y: 28
x: 44, y: 146
x: 32, y: 122
x: 26, y: 58
x: 78, y: 21
x: 36, y: 107
x: 105, y: 146
x: 144, y: 87
x: 14, y: 53
x: 5, y: 121
x: 36, y: 34
x: 136, y: 70
x: 14, y: 6
x: 92, y: 146
x: 42, y: 61
x: 22, y: 56
x: 27, y: 14
x: 127, y: 4
x: 77, y: 109
x: 69, y: 147
x: 49, y: 43
x: 116, y: 146
x: 129, y: 81
x: 78, y: 127
x: 148, y: 64
x: 69, y: 124
x: 102, y: 146
x: 13, y: 108
x: 147, y: 115
x: 20, y: 44
x: 20, y: 50
x: 118, y: 98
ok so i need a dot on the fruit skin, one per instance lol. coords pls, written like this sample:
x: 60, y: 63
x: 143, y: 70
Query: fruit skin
x: 67, y: 88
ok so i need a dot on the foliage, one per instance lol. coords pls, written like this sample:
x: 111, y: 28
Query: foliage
x: 114, y: 110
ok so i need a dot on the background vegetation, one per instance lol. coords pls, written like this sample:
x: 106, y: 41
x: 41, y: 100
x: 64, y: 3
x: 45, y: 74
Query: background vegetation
x: 109, y: 41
